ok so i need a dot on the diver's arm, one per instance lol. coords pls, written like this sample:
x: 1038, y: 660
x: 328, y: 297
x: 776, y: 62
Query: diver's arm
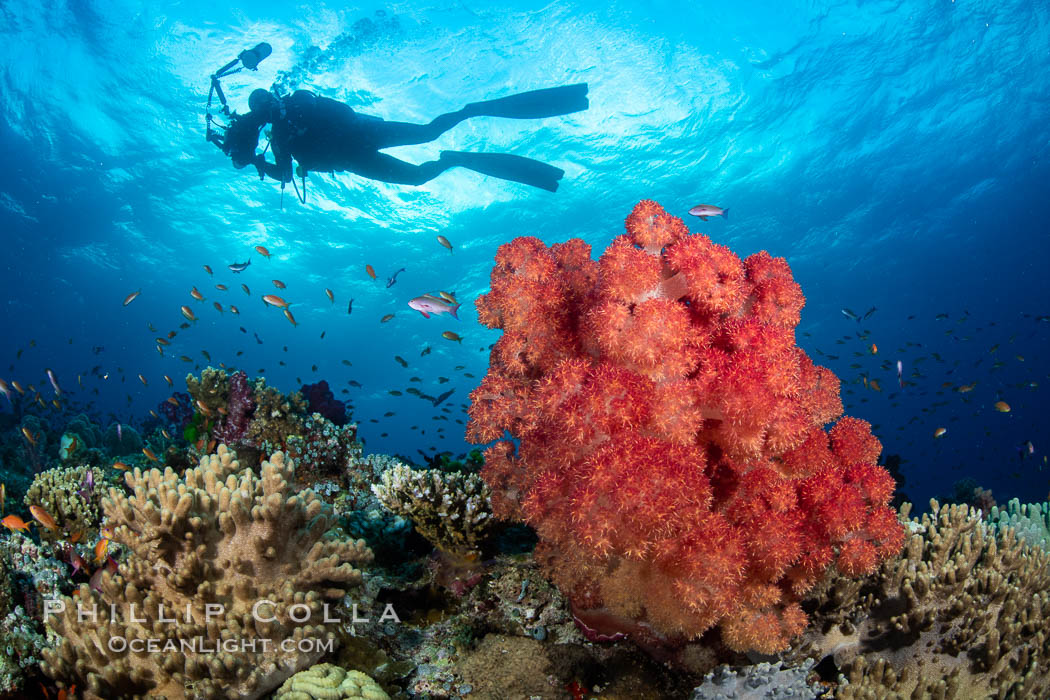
x: 280, y: 171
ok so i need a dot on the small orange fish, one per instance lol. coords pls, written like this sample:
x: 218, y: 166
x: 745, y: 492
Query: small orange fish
x: 106, y: 531
x: 43, y: 517
x: 154, y: 414
x: 56, y: 404
x: 218, y: 307
x: 29, y: 436
x: 262, y: 251
x: 444, y: 241
x: 18, y: 387
x: 165, y: 434
x: 195, y: 293
x: 143, y: 380
x: 131, y: 297
x: 279, y: 284
x: 939, y: 432
x: 331, y: 296
x: 76, y: 536
x: 149, y: 455
x: 874, y: 384
x: 170, y: 383
x: 371, y: 271
x: 207, y: 269
x: 163, y: 341
x: 274, y: 300
x: 203, y: 408
x: 211, y: 446
x: 234, y: 310
x: 386, y: 318
x: 246, y: 290
x: 965, y: 388
x: 172, y: 400
x: 13, y: 522
x: 121, y: 466
x: 221, y: 287
x: 100, y: 550
x: 1002, y: 407
x: 450, y: 335
x: 874, y: 349
x: 188, y: 313
x: 288, y: 315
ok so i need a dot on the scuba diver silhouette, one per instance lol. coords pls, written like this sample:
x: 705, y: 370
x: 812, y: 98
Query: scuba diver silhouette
x: 325, y: 135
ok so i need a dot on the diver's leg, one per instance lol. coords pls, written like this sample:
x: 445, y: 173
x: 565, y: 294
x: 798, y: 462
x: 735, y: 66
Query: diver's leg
x: 387, y: 168
x: 380, y: 134
x: 507, y: 167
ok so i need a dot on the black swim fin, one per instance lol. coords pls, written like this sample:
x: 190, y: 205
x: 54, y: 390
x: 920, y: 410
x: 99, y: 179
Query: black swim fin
x: 507, y: 167
x: 535, y: 104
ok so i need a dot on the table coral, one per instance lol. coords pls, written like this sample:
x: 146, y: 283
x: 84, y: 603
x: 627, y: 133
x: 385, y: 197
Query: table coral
x: 56, y: 491
x: 221, y: 535
x: 672, y: 455
x: 451, y: 510
x: 963, y: 613
x: 330, y: 682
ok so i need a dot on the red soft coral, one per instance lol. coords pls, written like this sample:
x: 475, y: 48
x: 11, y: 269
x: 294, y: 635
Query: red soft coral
x: 671, y: 445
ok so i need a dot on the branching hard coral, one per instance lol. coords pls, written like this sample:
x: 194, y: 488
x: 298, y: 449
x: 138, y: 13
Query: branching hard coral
x: 451, y: 510
x: 671, y: 448
x: 330, y: 682
x: 58, y: 492
x: 1031, y: 521
x: 962, y: 613
x: 217, y: 535
x: 211, y: 391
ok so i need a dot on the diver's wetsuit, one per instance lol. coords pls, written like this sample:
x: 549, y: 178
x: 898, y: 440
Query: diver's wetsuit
x: 325, y: 135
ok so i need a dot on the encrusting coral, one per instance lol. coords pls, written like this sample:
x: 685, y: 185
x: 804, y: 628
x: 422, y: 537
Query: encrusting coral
x: 330, y: 682
x: 451, y: 510
x: 217, y: 535
x: 962, y: 613
x: 671, y: 448
x: 58, y: 491
x: 210, y: 392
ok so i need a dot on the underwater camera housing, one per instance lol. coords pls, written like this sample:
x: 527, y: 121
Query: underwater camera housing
x: 250, y: 59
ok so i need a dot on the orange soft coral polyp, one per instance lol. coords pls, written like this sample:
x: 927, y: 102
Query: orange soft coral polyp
x: 673, y: 452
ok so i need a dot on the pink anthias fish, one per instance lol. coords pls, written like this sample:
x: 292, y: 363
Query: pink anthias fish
x: 430, y: 304
x: 706, y: 210
x: 54, y: 382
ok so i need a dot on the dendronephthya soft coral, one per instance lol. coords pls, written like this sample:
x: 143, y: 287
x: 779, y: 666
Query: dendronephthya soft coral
x: 672, y: 455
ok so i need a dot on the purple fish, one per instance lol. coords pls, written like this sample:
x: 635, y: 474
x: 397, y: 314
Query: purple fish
x: 706, y: 210
x: 430, y: 304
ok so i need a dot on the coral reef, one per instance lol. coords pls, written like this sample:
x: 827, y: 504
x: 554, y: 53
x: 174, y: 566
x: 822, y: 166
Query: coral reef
x: 232, y: 428
x: 329, y: 682
x: 276, y: 416
x: 451, y: 510
x: 320, y: 399
x: 1031, y: 521
x: 211, y: 392
x: 180, y: 413
x: 89, y: 434
x: 672, y: 455
x: 761, y: 680
x: 324, y: 449
x: 125, y: 441
x: 57, y: 491
x: 217, y: 535
x: 962, y: 613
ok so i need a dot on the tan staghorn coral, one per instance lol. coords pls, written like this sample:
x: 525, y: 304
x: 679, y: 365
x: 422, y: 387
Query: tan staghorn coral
x: 962, y: 613
x: 55, y: 490
x: 451, y: 510
x: 330, y: 682
x: 216, y: 535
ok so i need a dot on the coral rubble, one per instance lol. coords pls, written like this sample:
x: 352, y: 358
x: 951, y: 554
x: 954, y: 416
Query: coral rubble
x: 218, y: 535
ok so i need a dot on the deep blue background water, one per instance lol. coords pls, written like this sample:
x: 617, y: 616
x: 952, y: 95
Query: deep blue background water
x: 894, y: 152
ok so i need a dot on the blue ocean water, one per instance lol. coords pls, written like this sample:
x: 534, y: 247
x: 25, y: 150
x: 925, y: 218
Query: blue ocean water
x: 895, y: 153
